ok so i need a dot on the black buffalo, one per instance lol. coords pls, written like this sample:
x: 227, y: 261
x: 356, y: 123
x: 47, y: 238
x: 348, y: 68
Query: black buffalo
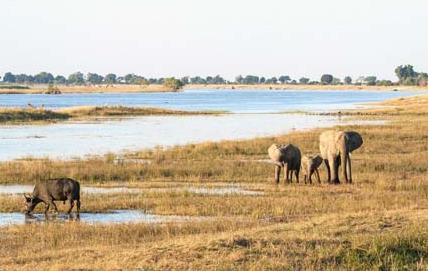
x: 61, y: 189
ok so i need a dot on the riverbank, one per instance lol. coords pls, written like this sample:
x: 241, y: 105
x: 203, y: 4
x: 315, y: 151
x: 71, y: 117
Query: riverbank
x: 62, y: 89
x: 380, y: 221
x: 40, y: 115
x: 118, y: 88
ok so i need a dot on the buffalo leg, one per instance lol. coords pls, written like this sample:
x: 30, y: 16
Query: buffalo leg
x: 71, y: 205
x: 47, y: 208
x: 78, y: 206
x: 54, y: 205
x: 296, y: 172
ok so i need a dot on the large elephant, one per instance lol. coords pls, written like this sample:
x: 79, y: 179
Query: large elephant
x: 287, y: 157
x: 335, y: 148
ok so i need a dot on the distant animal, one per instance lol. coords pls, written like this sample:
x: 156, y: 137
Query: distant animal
x: 336, y: 148
x: 310, y: 165
x: 61, y: 189
x: 287, y: 157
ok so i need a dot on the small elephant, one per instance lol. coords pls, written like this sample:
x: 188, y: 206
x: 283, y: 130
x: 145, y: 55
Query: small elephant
x: 310, y: 165
x: 336, y: 148
x: 287, y: 157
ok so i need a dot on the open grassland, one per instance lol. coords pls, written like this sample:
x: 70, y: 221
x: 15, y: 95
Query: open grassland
x: 378, y: 223
x: 38, y: 115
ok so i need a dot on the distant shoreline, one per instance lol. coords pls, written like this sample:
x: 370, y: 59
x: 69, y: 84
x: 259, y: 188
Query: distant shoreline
x: 40, y: 115
x: 64, y: 89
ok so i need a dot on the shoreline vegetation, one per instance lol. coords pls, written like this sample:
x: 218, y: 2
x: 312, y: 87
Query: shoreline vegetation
x: 45, y: 82
x: 40, y: 115
x: 122, y: 88
x: 378, y: 222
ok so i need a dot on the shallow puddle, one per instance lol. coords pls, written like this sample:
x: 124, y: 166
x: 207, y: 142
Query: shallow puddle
x: 112, y: 217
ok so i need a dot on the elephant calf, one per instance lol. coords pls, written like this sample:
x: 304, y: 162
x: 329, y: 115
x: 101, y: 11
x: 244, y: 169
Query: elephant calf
x: 287, y: 157
x: 310, y: 165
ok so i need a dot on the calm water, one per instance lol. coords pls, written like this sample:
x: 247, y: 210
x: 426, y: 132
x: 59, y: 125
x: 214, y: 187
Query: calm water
x: 239, y: 101
x: 112, y: 217
x: 76, y: 139
x: 79, y: 138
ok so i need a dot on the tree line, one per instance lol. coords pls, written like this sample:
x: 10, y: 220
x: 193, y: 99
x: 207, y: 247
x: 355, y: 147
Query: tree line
x: 405, y: 73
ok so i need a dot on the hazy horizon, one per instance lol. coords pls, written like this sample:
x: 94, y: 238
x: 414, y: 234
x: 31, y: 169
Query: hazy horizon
x: 178, y: 38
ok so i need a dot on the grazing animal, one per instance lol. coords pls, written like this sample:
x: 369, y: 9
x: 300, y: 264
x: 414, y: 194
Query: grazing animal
x: 61, y: 189
x: 310, y: 165
x: 335, y: 148
x: 287, y: 157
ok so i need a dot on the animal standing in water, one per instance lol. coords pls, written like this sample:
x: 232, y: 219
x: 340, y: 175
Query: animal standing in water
x: 62, y: 189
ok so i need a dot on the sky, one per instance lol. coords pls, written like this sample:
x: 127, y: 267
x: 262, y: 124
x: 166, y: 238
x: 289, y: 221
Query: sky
x: 159, y: 38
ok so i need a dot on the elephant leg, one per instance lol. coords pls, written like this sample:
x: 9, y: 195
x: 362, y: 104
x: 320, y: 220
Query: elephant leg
x: 327, y: 165
x: 349, y: 170
x: 318, y: 176
x: 332, y: 161
x: 286, y: 174
x: 335, y: 165
x: 296, y: 172
x: 277, y: 173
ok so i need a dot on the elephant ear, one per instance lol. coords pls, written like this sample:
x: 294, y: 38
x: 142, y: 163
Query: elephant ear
x: 354, y: 140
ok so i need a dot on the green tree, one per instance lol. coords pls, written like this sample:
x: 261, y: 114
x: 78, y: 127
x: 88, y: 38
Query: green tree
x: 239, y: 79
x: 326, y: 79
x: 423, y: 79
x: 60, y: 80
x: 303, y: 80
x: 284, y: 79
x: 347, y: 80
x: 250, y: 79
x: 185, y: 80
x: 23, y: 78
x: 370, y: 80
x: 43, y: 78
x: 76, y: 78
x: 94, y: 78
x: 405, y: 72
x: 110, y: 78
x: 9, y: 78
x: 173, y: 83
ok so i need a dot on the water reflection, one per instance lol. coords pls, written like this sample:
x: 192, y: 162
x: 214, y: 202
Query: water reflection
x: 111, y: 217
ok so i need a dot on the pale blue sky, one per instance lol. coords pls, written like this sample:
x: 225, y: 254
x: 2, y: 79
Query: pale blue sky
x: 227, y: 37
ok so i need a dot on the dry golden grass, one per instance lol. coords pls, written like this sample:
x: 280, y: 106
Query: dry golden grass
x: 379, y: 222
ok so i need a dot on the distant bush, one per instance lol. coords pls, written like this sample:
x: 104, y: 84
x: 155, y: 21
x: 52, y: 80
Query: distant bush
x: 173, y: 83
